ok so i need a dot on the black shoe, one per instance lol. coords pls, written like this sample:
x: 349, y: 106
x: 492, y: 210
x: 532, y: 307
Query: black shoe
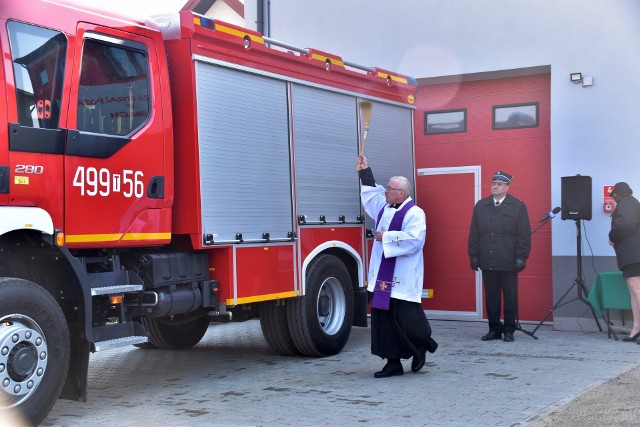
x: 418, y: 362
x: 491, y: 336
x: 508, y: 337
x: 389, y: 370
x: 632, y: 338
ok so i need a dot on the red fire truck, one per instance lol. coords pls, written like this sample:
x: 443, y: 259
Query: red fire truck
x: 157, y: 176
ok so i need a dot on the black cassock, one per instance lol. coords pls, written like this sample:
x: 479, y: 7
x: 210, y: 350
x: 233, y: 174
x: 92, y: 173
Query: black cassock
x: 401, y: 332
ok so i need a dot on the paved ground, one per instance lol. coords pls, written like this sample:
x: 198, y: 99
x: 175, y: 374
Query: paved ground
x: 233, y: 378
x: 614, y: 403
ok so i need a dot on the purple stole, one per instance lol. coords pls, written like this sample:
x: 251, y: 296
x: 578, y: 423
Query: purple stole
x: 384, y: 281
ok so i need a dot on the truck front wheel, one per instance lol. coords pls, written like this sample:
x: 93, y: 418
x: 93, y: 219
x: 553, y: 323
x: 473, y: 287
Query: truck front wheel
x: 34, y: 348
x: 320, y: 321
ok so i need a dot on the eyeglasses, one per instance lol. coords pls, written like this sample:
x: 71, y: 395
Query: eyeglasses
x: 391, y: 188
x: 499, y: 183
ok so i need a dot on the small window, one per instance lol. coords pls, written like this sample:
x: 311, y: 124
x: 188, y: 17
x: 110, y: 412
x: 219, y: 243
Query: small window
x: 38, y: 56
x: 449, y: 121
x: 515, y: 116
x: 113, y: 96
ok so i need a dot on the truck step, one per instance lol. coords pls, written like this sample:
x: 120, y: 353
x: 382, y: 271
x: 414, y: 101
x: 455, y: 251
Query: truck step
x: 116, y: 335
x: 114, y: 282
x: 115, y: 289
x: 119, y: 342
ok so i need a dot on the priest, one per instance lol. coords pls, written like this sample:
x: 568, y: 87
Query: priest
x: 399, y: 326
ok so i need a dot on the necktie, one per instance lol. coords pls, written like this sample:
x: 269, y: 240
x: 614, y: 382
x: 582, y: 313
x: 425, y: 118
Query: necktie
x: 497, y: 203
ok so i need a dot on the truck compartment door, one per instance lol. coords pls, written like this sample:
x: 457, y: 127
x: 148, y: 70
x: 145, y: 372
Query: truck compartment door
x: 326, y: 148
x: 245, y: 172
x: 390, y: 145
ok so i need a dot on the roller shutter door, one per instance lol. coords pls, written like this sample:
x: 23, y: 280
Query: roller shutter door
x: 326, y: 149
x: 245, y: 170
x: 389, y: 147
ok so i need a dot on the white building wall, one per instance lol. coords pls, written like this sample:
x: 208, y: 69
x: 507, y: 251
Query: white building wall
x: 594, y: 130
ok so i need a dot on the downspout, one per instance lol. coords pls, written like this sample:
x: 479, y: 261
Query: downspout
x: 263, y: 19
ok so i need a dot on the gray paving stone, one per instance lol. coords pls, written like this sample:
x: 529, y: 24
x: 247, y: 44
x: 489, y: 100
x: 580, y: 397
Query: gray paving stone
x: 233, y: 378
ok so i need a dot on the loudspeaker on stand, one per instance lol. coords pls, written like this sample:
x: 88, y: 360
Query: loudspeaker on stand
x: 576, y: 197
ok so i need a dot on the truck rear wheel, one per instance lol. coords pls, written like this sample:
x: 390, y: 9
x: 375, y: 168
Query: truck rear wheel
x: 320, y: 321
x: 34, y: 348
x: 273, y: 321
x: 168, y: 334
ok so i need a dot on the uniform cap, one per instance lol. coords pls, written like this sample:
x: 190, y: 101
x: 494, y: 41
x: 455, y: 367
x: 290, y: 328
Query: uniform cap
x: 502, y: 176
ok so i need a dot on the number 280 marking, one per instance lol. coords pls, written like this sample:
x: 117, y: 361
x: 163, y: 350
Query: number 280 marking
x: 103, y: 182
x: 29, y: 169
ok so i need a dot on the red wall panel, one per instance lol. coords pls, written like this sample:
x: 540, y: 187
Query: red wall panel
x: 524, y: 153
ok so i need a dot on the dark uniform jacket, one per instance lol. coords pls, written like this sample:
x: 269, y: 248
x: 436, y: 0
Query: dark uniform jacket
x: 625, y: 231
x: 499, y: 235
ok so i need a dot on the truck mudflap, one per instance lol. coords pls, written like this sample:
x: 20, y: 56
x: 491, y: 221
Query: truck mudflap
x: 360, y: 301
x: 75, y: 386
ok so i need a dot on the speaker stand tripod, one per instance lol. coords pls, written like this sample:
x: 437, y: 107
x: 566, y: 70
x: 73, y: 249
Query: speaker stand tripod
x: 579, y: 284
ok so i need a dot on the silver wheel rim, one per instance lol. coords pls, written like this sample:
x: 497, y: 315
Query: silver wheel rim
x: 331, y: 306
x: 23, y: 358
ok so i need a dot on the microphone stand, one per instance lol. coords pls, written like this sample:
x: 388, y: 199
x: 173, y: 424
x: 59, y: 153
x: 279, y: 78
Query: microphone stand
x: 518, y: 327
x: 543, y: 222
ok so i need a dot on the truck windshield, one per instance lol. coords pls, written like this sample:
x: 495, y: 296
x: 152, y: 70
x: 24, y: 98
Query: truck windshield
x: 38, y: 65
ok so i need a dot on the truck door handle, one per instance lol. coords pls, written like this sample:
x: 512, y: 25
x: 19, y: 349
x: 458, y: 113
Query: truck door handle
x: 156, y: 188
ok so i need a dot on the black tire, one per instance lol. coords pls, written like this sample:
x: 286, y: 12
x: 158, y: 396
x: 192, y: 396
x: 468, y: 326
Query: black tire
x: 146, y: 346
x: 166, y: 334
x: 34, y: 349
x: 273, y: 321
x: 320, y: 321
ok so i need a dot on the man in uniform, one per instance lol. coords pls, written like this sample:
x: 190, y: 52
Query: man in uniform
x: 499, y: 245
